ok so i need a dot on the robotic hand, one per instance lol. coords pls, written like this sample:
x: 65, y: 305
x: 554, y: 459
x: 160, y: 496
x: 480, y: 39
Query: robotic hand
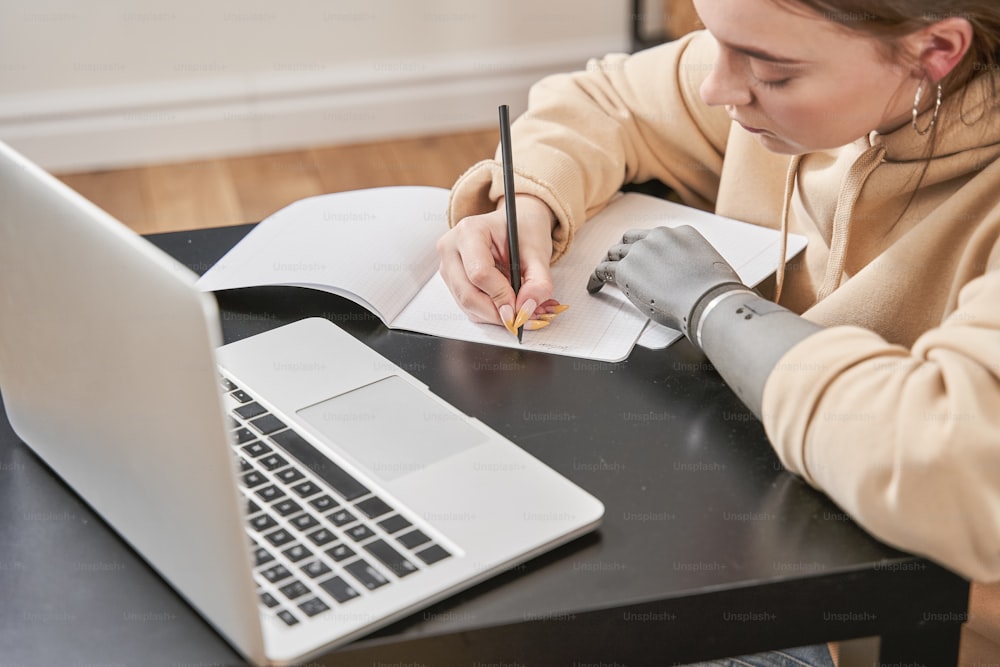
x: 678, y: 279
x: 667, y: 273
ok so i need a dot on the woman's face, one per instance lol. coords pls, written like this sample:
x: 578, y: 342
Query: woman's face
x: 798, y: 81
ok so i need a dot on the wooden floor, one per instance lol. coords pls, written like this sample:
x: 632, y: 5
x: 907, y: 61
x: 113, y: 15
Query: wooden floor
x: 213, y: 193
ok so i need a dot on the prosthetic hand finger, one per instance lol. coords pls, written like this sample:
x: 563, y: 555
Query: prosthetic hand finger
x: 633, y: 235
x: 616, y: 252
x: 604, y: 273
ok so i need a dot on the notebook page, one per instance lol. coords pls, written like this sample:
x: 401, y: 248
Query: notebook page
x: 375, y: 246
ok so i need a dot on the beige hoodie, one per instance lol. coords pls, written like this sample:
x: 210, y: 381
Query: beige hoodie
x: 894, y: 409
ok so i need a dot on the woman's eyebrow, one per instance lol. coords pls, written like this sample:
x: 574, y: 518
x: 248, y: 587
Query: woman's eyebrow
x: 760, y: 54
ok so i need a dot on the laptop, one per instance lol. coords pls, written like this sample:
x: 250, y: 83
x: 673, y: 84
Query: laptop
x: 296, y: 487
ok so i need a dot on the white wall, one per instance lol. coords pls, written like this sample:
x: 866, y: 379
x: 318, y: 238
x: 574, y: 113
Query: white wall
x: 85, y: 85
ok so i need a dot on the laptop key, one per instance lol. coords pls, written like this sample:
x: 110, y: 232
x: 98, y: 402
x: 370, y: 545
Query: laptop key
x: 313, y: 606
x: 394, y: 524
x: 250, y: 410
x: 287, y: 617
x: 244, y: 435
x: 286, y: 507
x: 252, y: 479
x: 270, y: 493
x: 267, y: 424
x: 391, y: 558
x: 323, y: 503
x: 279, y: 537
x: 256, y: 449
x: 340, y: 552
x: 306, y: 489
x: 316, y: 568
x: 320, y: 465
x: 261, y: 556
x: 275, y: 573
x: 262, y: 523
x: 241, y: 396
x: 269, y: 600
x: 368, y: 576
x: 305, y: 521
x: 341, y: 517
x: 373, y: 507
x: 433, y: 554
x: 294, y: 590
x: 360, y: 532
x: 413, y: 539
x: 273, y: 461
x: 321, y: 537
x: 289, y: 475
x: 339, y: 590
x: 245, y: 465
x: 297, y: 553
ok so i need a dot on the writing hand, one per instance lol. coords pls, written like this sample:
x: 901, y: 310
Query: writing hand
x: 665, y: 272
x: 475, y: 265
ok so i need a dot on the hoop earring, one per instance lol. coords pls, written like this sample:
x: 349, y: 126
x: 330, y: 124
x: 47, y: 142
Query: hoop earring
x: 916, y: 109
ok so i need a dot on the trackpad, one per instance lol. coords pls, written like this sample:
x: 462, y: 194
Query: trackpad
x: 392, y: 428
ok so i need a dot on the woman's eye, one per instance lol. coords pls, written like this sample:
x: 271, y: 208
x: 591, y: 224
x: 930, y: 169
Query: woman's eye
x: 777, y: 83
x: 772, y: 76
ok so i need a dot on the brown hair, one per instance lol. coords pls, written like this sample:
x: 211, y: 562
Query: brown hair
x: 890, y: 20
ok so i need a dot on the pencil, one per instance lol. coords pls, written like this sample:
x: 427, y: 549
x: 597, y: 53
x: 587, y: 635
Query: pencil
x: 508, y: 193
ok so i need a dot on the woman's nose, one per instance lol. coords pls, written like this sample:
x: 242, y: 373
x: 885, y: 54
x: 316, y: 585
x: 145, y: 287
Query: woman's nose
x: 726, y: 84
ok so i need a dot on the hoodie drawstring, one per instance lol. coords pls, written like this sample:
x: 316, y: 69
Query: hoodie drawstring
x: 854, y: 181
x: 779, y: 278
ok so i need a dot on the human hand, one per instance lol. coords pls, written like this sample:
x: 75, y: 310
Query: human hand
x: 665, y: 272
x: 476, y: 268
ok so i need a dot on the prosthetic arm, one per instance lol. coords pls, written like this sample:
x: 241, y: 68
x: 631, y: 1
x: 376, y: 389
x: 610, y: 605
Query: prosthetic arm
x: 678, y: 279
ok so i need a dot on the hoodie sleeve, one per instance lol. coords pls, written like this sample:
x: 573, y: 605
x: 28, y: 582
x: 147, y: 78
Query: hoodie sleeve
x: 626, y: 119
x: 907, y: 441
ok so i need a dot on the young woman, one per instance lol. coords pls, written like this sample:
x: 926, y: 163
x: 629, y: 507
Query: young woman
x: 873, y: 129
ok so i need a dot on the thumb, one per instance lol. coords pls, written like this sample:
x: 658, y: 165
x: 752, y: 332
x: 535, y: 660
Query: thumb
x: 505, y: 301
x: 536, y: 289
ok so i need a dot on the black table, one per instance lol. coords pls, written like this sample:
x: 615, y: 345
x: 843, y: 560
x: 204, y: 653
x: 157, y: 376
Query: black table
x: 708, y: 548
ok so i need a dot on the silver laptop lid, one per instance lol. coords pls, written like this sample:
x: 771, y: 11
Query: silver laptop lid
x: 95, y: 321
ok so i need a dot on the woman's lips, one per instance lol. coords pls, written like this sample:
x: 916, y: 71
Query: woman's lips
x: 752, y: 130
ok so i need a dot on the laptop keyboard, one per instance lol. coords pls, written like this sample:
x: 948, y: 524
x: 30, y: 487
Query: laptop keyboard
x: 320, y: 537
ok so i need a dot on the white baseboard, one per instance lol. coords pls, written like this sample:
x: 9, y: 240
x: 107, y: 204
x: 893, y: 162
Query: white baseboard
x: 209, y: 117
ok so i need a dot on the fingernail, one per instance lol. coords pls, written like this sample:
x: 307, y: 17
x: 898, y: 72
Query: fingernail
x: 507, y: 316
x: 558, y: 308
x: 548, y: 317
x: 535, y: 325
x: 527, y: 310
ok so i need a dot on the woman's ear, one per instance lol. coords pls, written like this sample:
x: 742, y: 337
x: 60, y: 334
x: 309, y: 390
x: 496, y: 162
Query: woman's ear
x: 942, y: 45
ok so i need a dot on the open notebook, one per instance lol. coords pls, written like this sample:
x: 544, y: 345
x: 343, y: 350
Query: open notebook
x: 377, y: 247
